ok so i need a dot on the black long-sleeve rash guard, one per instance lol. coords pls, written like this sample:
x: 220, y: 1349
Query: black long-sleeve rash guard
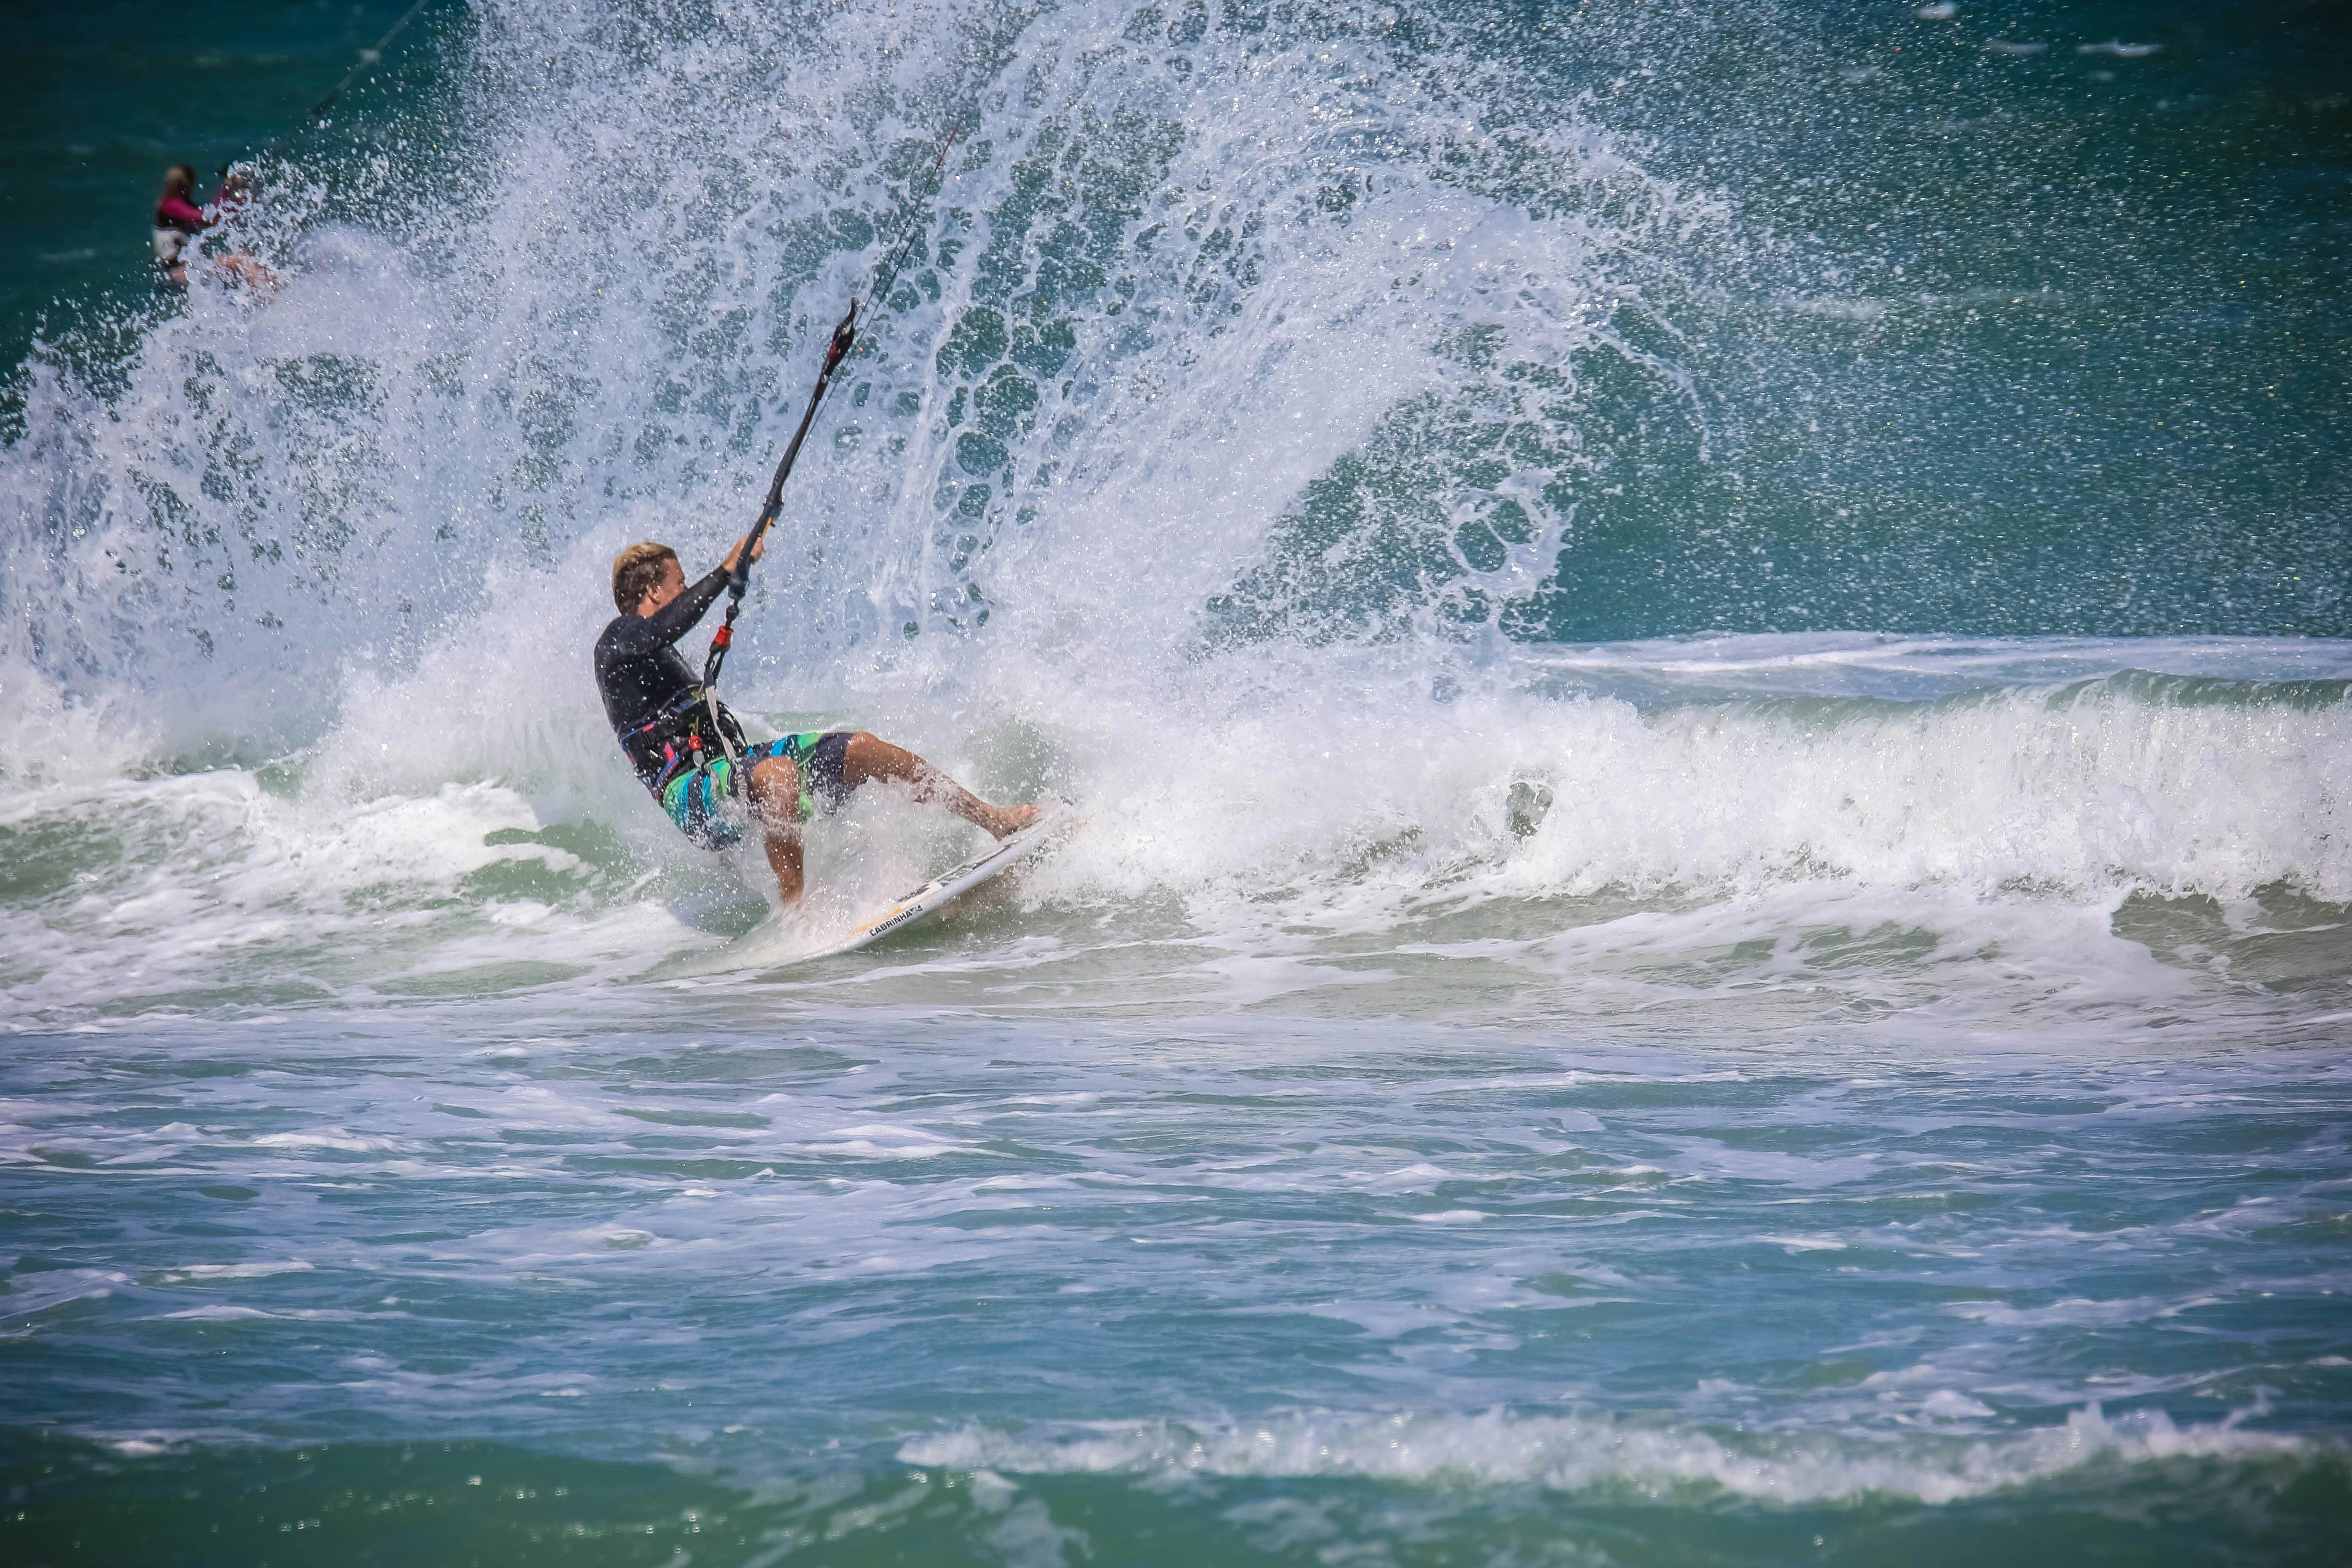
x: 643, y: 676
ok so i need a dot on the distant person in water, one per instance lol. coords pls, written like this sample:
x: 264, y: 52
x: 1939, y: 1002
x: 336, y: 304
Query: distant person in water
x: 177, y: 221
x: 664, y: 723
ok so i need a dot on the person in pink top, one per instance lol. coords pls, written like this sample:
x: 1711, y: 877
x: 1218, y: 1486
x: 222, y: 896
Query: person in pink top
x: 177, y: 221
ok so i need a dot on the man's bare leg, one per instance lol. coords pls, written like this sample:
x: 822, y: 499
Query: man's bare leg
x: 776, y: 800
x: 869, y: 757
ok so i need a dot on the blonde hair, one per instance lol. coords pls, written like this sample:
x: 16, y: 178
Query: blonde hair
x: 637, y: 571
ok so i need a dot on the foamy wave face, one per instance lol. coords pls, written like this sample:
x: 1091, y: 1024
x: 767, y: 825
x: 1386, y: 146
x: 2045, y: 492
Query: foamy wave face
x: 210, y: 891
x: 1322, y: 831
x: 2130, y: 783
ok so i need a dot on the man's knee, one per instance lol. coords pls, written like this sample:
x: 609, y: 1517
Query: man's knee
x: 863, y: 755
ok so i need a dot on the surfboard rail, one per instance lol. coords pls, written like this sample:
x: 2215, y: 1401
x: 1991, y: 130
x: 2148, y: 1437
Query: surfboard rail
x: 947, y: 886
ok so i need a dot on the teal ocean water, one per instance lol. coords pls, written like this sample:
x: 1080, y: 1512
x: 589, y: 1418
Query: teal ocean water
x: 1707, y: 658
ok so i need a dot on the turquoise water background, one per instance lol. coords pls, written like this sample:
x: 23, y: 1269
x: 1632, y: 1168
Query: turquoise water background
x: 1707, y: 658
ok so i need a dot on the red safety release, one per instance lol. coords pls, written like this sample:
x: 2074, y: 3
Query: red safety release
x: 724, y: 637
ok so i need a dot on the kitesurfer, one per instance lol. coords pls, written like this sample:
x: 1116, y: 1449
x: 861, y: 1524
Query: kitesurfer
x: 688, y: 751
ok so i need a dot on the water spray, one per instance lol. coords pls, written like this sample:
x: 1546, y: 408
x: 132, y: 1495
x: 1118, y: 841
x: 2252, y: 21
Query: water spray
x: 845, y: 337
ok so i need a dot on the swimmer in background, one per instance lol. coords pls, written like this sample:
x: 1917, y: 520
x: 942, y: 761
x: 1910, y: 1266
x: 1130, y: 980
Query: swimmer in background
x: 177, y: 221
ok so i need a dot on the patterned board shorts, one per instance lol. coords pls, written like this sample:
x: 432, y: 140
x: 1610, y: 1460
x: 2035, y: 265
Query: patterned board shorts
x: 700, y: 801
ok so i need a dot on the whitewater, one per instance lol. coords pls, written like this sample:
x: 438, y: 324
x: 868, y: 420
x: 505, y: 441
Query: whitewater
x: 1637, y: 982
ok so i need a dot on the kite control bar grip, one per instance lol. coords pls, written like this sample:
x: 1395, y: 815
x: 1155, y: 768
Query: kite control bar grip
x: 844, y: 336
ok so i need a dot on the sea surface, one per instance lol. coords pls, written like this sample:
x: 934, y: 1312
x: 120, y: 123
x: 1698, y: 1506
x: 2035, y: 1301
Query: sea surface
x: 1706, y: 659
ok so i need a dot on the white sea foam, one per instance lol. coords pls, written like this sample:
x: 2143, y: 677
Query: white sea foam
x: 1582, y: 1454
x: 29, y: 1295
x: 330, y: 1138
x: 200, y: 1273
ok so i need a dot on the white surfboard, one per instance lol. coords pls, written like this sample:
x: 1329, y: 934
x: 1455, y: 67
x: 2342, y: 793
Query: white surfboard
x: 948, y: 885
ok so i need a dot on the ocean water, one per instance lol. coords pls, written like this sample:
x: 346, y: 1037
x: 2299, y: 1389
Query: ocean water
x: 1707, y: 661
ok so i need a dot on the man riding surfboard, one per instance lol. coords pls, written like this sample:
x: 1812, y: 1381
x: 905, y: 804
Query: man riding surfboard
x: 687, y: 749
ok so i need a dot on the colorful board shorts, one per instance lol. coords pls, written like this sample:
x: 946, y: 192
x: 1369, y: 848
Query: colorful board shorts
x: 696, y: 801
